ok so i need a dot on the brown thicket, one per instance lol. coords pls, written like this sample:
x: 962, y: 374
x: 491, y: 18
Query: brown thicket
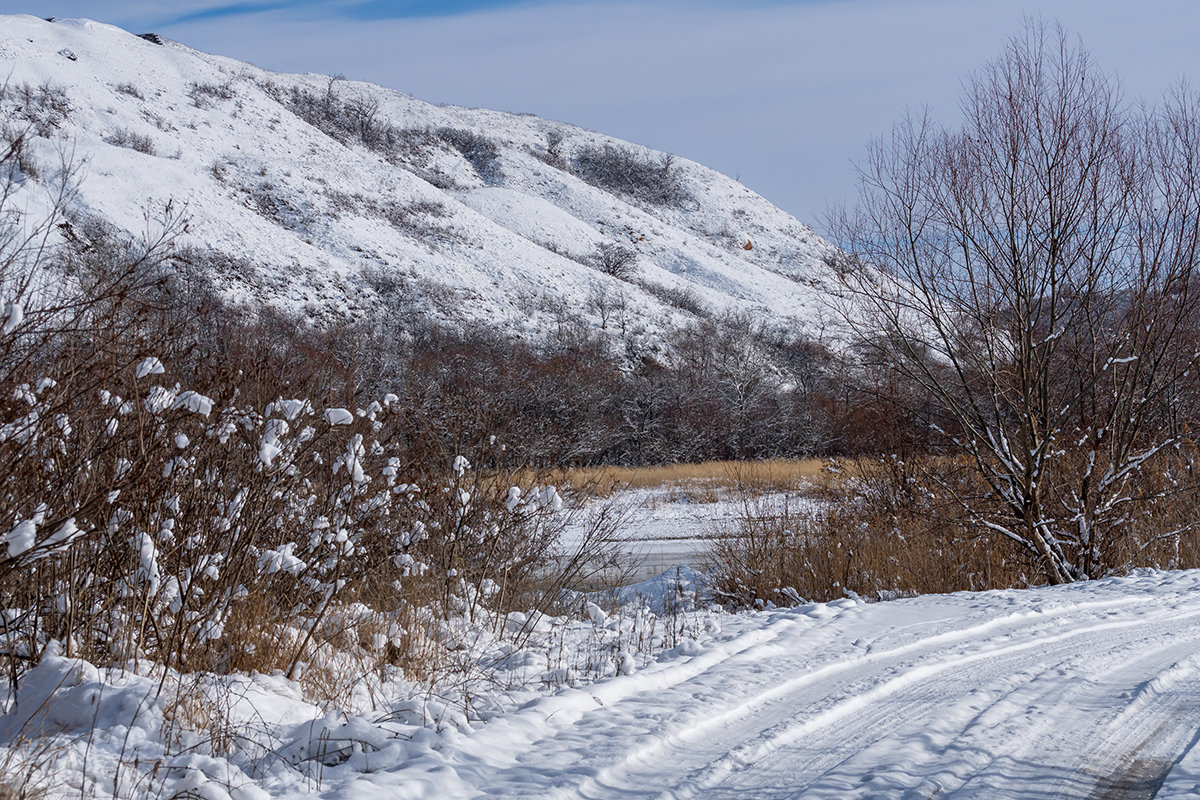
x: 211, y: 491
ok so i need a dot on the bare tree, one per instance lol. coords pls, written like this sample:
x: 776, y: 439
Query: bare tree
x: 615, y: 259
x: 1033, y: 273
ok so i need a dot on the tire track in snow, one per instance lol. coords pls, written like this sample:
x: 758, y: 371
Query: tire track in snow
x: 982, y: 739
x: 667, y: 747
x: 839, y: 707
x: 1149, y: 737
x: 670, y: 725
x: 1024, y: 740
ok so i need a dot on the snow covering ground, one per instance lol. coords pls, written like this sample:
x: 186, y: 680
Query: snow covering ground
x: 1083, y: 691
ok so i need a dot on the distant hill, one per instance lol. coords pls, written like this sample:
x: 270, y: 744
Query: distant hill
x: 337, y: 199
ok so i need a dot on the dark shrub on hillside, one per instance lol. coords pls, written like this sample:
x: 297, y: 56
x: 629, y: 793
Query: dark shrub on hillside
x: 622, y: 170
x: 204, y: 93
x: 123, y: 137
x: 615, y: 260
x: 39, y: 109
x: 685, y: 298
x: 359, y: 120
x: 478, y: 149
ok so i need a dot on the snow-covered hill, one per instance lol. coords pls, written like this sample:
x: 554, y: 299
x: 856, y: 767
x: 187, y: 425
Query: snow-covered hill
x: 339, y: 198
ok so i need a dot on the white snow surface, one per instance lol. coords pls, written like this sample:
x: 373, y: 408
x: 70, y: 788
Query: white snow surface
x: 1083, y: 691
x: 307, y: 213
x: 668, y: 526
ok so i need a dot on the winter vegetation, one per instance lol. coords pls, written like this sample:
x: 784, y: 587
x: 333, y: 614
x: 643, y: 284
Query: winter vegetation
x: 1037, y: 295
x: 324, y: 481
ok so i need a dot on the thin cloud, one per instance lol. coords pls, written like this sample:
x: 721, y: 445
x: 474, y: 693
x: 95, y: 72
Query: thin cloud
x: 231, y: 10
x: 360, y: 10
x: 783, y: 93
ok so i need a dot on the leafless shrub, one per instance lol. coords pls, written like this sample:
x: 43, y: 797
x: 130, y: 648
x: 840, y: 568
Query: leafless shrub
x: 417, y: 219
x: 359, y: 120
x: 1035, y: 284
x: 842, y: 263
x: 122, y: 137
x: 888, y: 527
x: 552, y: 153
x: 18, y: 161
x: 219, y: 169
x: 355, y: 119
x: 270, y: 200
x: 479, y: 150
x: 554, y: 143
x: 878, y: 533
x: 210, y: 268
x: 624, y: 171
x: 203, y: 94
x: 615, y: 259
x: 130, y: 89
x: 386, y: 283
x: 685, y: 298
x: 270, y: 88
x: 41, y: 110
x: 609, y: 305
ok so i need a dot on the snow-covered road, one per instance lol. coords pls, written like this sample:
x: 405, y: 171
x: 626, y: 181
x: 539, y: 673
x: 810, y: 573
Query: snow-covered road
x: 1088, y: 691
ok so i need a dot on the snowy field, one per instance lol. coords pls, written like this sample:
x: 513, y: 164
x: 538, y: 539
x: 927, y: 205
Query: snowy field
x: 1085, y: 691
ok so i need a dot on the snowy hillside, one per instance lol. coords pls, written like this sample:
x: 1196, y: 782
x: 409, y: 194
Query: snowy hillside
x: 339, y: 198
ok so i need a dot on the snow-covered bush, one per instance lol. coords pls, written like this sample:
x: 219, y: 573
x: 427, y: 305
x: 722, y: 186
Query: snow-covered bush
x: 685, y: 298
x: 123, y: 137
x: 185, y: 488
x: 27, y: 112
x: 356, y: 119
x: 552, y: 153
x: 417, y: 219
x: 615, y: 259
x: 621, y: 169
x: 42, y: 109
x: 130, y: 89
x: 479, y: 150
x: 204, y: 93
x: 153, y: 521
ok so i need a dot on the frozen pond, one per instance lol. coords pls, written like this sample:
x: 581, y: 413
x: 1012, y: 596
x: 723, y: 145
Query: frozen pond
x: 661, y: 528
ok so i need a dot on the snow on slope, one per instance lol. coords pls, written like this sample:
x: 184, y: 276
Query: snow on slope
x: 1083, y: 691
x: 333, y: 229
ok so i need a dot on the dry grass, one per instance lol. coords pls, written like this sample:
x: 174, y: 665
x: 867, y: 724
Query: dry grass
x: 703, y: 482
x: 888, y: 527
x: 823, y: 554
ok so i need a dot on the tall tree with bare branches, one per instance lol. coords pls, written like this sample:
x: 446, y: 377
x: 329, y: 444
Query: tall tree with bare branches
x: 1034, y: 271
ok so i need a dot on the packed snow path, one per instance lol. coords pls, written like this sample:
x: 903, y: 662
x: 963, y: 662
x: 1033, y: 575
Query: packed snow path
x: 1088, y: 691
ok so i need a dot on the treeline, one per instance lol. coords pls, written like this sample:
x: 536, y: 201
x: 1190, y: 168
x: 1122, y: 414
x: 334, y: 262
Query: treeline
x: 726, y: 387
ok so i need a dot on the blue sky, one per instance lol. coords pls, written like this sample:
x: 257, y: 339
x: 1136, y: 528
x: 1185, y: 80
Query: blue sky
x: 783, y: 94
